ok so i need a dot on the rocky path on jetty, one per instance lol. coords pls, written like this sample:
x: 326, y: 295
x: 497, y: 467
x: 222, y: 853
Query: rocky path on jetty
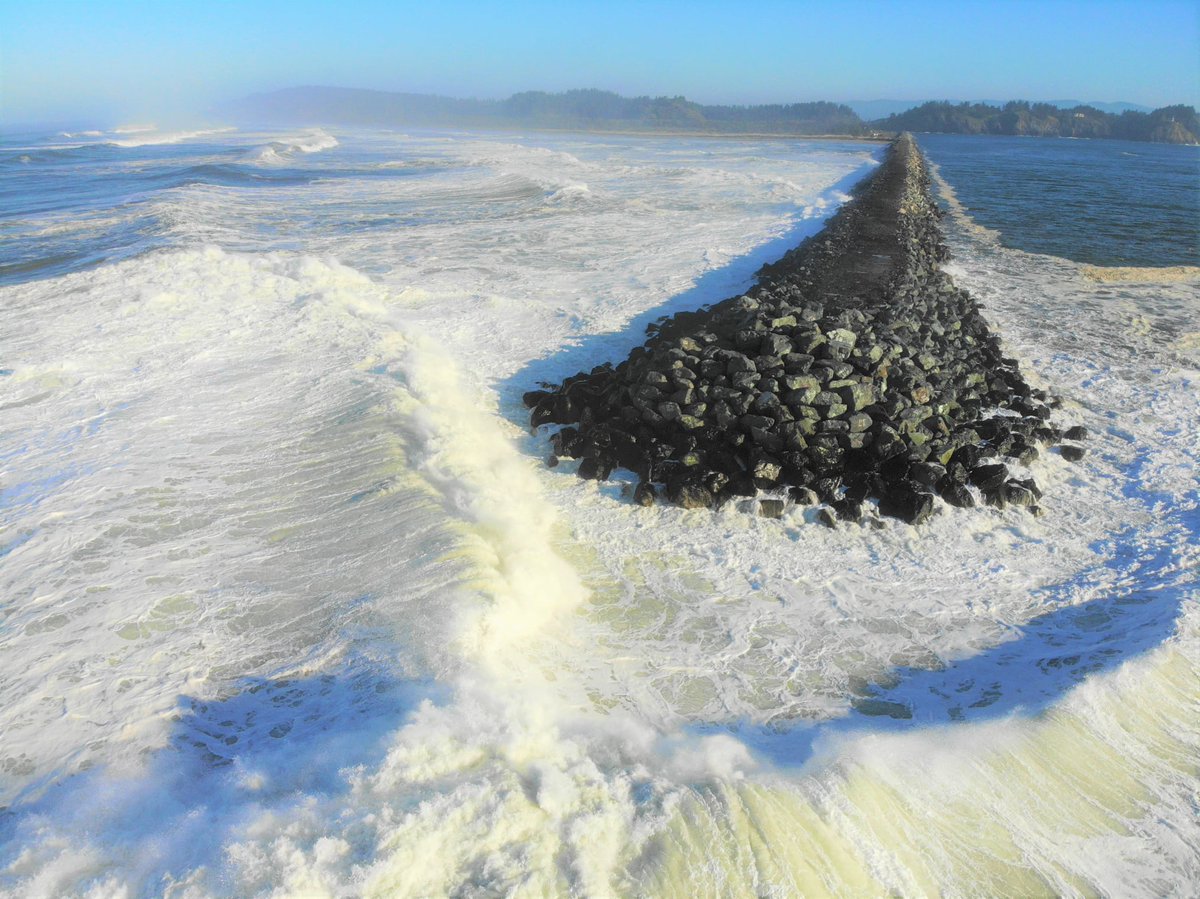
x: 853, y: 371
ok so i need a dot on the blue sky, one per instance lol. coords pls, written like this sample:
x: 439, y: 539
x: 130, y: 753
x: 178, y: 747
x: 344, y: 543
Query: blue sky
x: 109, y: 59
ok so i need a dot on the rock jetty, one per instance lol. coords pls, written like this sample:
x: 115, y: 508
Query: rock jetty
x: 854, y: 374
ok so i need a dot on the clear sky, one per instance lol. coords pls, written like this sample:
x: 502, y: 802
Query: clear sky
x: 115, y: 59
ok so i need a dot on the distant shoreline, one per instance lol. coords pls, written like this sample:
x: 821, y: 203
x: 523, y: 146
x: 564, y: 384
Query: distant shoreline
x: 604, y: 112
x: 617, y: 132
x: 881, y: 138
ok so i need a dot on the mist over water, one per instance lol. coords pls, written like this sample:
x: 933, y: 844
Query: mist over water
x: 292, y: 605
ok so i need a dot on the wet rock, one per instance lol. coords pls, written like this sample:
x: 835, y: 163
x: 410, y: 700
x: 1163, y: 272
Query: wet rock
x: 770, y: 508
x: 988, y: 477
x: 1071, y: 453
x: 1029, y: 484
x: 956, y: 494
x: 908, y: 502
x: 591, y: 469
x: 1016, y: 495
x: 847, y: 509
x: 533, y: 397
x: 690, y: 496
x: 804, y: 496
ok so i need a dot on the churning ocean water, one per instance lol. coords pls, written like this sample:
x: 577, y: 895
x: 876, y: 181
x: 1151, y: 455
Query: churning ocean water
x: 292, y: 606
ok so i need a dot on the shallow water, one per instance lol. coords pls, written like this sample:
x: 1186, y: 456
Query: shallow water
x: 292, y: 605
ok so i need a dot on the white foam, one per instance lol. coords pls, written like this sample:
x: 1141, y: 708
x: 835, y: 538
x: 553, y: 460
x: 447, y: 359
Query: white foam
x: 155, y: 138
x: 569, y: 193
x: 294, y: 608
x: 280, y: 152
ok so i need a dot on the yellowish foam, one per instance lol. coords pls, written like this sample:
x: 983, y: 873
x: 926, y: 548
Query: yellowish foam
x: 1141, y: 274
x: 985, y: 808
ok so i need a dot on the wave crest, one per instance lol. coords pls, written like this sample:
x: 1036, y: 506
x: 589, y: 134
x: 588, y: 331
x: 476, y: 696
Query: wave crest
x: 278, y: 152
x: 164, y: 137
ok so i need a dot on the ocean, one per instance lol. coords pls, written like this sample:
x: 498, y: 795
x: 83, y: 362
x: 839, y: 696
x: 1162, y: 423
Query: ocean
x: 1103, y: 202
x: 292, y: 604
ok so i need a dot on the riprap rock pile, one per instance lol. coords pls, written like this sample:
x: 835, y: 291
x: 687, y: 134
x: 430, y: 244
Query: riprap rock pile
x: 854, y: 370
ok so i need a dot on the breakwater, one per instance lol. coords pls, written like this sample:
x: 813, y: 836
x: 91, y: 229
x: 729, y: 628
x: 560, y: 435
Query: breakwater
x: 854, y: 370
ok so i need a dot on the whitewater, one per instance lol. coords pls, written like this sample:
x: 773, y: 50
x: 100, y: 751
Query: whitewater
x: 292, y: 604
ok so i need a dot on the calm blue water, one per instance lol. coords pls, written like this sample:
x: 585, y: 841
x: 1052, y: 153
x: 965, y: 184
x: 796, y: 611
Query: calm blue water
x: 1100, y: 202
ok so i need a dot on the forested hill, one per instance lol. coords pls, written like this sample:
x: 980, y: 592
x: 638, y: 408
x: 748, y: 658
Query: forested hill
x: 1171, y: 124
x: 596, y: 110
x: 575, y: 109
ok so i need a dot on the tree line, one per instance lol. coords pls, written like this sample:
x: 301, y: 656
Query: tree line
x: 1170, y: 124
x: 590, y: 109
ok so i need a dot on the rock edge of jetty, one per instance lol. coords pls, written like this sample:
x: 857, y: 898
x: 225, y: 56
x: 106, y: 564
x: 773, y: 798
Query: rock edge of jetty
x: 854, y: 375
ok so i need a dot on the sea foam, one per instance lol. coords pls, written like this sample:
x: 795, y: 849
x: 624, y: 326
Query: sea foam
x: 294, y: 606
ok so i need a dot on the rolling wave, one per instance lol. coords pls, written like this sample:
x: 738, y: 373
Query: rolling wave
x: 157, y: 138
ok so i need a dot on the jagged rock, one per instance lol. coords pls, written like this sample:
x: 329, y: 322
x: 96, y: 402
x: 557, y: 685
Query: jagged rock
x: 956, y: 494
x: 765, y: 472
x: 1029, y: 484
x: 1016, y: 495
x: 908, y: 503
x: 988, y: 477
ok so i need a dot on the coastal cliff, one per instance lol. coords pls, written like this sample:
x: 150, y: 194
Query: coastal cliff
x: 854, y: 375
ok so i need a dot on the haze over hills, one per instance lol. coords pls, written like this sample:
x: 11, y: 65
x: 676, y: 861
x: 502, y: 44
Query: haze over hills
x: 597, y: 110
x: 587, y: 109
x: 871, y: 110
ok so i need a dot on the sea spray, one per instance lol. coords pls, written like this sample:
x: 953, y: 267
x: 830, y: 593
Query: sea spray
x: 304, y: 702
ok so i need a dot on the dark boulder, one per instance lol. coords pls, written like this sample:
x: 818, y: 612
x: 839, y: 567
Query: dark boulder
x: 956, y: 494
x: 690, y: 495
x: 909, y: 502
x: 645, y: 494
